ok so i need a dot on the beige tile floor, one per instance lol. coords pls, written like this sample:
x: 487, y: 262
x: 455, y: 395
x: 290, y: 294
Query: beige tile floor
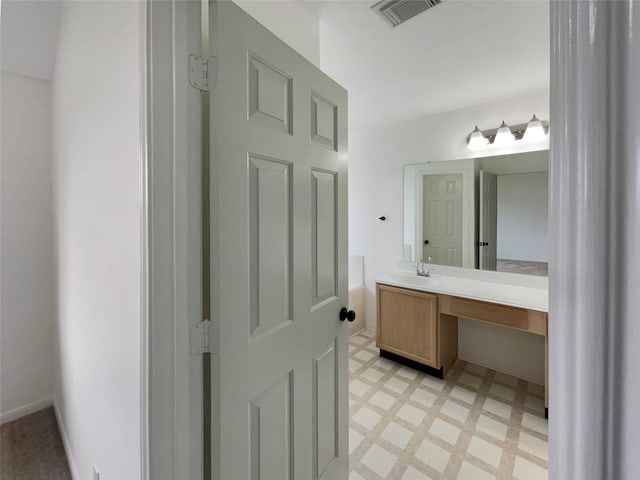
x: 476, y: 424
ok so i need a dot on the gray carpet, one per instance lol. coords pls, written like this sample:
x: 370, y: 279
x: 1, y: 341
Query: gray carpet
x: 31, y: 449
x: 522, y: 266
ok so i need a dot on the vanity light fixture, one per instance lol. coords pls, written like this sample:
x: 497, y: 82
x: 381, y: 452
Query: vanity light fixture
x: 534, y: 131
x: 504, y: 136
x: 477, y: 140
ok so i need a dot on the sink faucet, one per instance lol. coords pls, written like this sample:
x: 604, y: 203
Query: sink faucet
x: 421, y: 271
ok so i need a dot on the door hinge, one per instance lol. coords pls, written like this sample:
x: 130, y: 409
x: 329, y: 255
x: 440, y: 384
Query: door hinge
x: 202, y: 72
x: 204, y: 338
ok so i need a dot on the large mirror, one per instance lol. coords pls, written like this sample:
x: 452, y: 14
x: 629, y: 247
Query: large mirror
x: 489, y: 213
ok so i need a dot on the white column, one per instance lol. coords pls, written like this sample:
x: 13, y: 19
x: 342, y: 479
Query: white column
x: 594, y: 317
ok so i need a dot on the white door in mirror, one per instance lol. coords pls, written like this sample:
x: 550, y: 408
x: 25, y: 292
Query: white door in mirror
x: 442, y: 219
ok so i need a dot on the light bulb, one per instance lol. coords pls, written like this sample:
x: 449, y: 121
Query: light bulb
x: 535, y: 131
x: 477, y: 140
x: 504, y: 136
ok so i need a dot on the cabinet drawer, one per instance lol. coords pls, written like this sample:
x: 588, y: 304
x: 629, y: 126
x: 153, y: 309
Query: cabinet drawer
x: 489, y: 312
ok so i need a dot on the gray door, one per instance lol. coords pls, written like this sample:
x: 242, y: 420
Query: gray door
x: 487, y: 243
x: 442, y: 219
x: 279, y: 258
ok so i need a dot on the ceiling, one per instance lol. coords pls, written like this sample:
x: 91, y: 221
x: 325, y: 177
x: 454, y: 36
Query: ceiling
x: 29, y: 36
x: 457, y: 54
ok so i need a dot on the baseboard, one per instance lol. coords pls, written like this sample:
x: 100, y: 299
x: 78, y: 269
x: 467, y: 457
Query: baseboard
x: 25, y: 410
x: 514, y: 371
x: 65, y: 442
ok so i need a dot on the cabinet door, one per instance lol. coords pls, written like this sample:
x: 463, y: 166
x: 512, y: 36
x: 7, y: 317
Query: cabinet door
x: 407, y: 323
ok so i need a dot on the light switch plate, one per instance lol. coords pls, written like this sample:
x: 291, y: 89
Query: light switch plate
x: 96, y: 474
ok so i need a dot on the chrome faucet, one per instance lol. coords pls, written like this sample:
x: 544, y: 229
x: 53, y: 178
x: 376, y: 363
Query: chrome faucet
x: 421, y: 271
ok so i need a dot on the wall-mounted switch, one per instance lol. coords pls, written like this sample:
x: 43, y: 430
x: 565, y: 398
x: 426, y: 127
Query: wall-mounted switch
x: 96, y: 474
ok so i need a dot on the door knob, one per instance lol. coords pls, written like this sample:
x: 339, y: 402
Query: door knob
x: 426, y: 242
x: 347, y: 314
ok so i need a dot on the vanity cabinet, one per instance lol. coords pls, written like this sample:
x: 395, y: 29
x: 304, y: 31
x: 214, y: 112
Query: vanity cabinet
x: 408, y: 324
x: 420, y: 328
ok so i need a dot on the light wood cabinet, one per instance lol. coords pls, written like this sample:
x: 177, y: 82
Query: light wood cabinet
x: 408, y: 324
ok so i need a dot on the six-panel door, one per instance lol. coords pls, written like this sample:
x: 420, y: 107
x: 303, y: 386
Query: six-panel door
x: 279, y: 257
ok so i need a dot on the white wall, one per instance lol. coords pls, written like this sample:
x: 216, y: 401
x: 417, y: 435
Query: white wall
x: 291, y: 21
x: 376, y: 159
x: 523, y: 205
x: 29, y: 36
x: 96, y: 148
x: 27, y: 307
x: 518, y: 353
x: 523, y: 215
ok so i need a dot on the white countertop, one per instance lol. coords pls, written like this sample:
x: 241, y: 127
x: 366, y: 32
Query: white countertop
x: 495, y: 287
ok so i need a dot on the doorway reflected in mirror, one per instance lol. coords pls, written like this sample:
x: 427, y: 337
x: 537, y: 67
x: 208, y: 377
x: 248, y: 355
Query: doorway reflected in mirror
x: 489, y: 213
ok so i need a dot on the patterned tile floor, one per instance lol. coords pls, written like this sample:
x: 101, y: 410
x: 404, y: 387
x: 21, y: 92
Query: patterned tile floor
x: 476, y: 424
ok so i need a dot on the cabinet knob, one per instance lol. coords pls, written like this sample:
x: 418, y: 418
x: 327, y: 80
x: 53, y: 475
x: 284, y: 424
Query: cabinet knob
x: 347, y: 314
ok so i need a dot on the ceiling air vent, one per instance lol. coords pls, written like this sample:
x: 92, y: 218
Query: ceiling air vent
x: 396, y: 12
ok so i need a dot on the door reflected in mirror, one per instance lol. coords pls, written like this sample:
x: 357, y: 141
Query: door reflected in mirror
x: 489, y: 213
x: 442, y: 219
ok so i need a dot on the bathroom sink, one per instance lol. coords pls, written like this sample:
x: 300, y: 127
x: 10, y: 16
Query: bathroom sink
x: 413, y: 279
